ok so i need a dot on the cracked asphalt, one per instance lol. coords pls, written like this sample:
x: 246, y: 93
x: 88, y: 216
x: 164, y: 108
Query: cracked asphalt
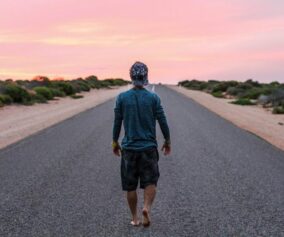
x: 219, y: 180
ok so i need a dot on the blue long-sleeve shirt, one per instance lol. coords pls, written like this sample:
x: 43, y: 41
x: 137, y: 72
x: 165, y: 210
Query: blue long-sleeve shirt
x: 139, y: 109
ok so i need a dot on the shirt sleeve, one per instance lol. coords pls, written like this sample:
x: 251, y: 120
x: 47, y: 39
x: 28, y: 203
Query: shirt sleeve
x: 162, y: 120
x: 117, y: 119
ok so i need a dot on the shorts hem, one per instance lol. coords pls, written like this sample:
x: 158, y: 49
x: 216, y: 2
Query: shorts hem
x: 143, y: 186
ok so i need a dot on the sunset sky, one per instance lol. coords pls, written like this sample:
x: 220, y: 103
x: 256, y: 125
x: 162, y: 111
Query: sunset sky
x: 177, y: 39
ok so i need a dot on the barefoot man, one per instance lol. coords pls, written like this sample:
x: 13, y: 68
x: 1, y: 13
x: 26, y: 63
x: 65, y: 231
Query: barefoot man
x: 139, y: 109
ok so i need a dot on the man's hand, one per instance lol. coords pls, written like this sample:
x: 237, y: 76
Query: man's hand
x: 116, y: 148
x: 166, y: 148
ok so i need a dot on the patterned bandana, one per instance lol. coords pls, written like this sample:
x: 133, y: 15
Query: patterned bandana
x: 139, y: 74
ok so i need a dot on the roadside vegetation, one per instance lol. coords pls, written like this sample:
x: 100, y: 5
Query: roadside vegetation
x: 269, y: 95
x: 41, y: 89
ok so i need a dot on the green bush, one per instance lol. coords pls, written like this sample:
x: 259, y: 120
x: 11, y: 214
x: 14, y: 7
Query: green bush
x: 76, y: 96
x: 28, y: 102
x: 1, y: 104
x: 242, y: 101
x: 18, y: 94
x: 194, y: 84
x: 80, y: 85
x: 38, y: 98
x: 57, y: 93
x: 64, y: 86
x: 252, y: 83
x: 234, y: 91
x: 255, y: 92
x: 244, y: 86
x: 115, y: 82
x: 6, y: 99
x: 44, y: 91
x: 224, y: 85
x: 278, y: 110
x: 218, y: 94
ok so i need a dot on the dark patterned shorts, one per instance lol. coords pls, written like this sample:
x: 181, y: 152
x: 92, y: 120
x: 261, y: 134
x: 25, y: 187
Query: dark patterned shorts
x: 137, y: 165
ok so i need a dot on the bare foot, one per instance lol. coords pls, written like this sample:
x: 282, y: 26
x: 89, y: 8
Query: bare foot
x: 146, y: 218
x: 135, y: 223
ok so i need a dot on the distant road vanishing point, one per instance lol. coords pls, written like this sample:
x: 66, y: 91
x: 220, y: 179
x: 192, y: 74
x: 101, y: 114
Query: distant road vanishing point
x: 219, y: 180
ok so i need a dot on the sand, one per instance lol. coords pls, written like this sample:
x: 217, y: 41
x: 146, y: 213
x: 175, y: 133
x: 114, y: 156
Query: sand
x: 19, y: 121
x: 254, y: 119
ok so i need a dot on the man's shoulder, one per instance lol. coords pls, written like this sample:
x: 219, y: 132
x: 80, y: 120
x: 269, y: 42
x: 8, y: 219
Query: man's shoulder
x: 124, y: 93
x: 130, y: 92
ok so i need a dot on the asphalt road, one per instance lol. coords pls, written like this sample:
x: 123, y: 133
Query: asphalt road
x: 218, y: 181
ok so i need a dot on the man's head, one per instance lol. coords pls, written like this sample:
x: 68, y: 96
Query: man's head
x: 139, y: 74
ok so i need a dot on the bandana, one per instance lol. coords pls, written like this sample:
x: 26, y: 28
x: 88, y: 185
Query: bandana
x: 139, y: 74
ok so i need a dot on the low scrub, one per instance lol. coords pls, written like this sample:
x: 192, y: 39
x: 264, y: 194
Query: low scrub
x: 18, y: 94
x: 41, y: 89
x: 278, y: 110
x: 6, y: 99
x: 44, y: 92
x: 218, y: 94
x: 76, y: 96
x: 243, y: 101
x: 64, y: 86
x: 57, y: 92
x: 38, y: 98
x: 266, y: 94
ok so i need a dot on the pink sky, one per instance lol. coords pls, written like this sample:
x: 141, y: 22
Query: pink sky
x: 177, y: 39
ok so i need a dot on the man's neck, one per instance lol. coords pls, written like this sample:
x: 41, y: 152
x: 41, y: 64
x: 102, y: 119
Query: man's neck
x: 138, y: 87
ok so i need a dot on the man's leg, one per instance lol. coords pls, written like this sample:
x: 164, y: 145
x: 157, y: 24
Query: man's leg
x: 149, y: 196
x: 149, y: 175
x: 132, y: 202
x: 129, y: 178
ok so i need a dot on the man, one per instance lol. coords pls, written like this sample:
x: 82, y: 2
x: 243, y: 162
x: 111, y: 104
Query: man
x: 139, y: 109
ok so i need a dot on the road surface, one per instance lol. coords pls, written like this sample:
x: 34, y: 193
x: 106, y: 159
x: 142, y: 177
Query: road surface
x: 218, y: 181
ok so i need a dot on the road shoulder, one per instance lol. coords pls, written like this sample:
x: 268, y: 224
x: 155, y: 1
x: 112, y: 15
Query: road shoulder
x: 251, y: 118
x: 19, y: 121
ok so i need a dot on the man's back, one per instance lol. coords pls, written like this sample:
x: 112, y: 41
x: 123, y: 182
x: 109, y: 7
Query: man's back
x: 139, y: 109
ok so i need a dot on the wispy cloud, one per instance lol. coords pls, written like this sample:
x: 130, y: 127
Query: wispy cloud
x: 178, y: 39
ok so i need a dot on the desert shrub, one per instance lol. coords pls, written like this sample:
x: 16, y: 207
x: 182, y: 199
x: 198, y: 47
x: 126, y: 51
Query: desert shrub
x: 218, y: 94
x: 255, y: 92
x: 252, y: 83
x: 244, y: 86
x: 92, y: 81
x: 76, y: 96
x: 234, y: 91
x: 194, y: 84
x: 242, y: 101
x: 38, y: 98
x: 44, y: 91
x: 17, y: 93
x: 277, y: 97
x: 274, y: 84
x: 105, y: 83
x: 6, y: 99
x: 80, y: 85
x: 116, y: 82
x: 28, y: 102
x: 224, y: 85
x: 278, y: 110
x: 57, y: 93
x: 182, y: 83
x: 64, y: 86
